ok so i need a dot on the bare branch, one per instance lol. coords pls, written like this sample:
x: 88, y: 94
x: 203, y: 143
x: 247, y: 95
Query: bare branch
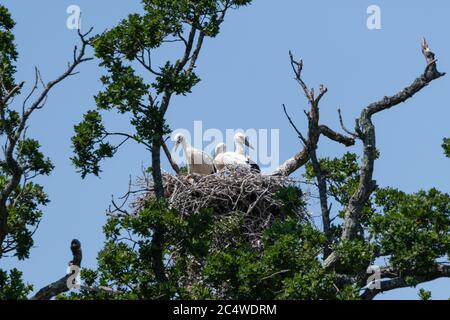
x: 367, y: 134
x: 341, y: 121
x: 391, y: 279
x: 78, y: 59
x: 169, y: 158
x: 314, y: 129
x: 11, y: 94
x: 60, y: 286
x: 300, y: 135
x: 336, y: 136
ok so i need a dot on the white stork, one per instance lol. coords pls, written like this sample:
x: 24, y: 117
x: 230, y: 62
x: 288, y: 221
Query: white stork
x: 240, y: 141
x: 197, y: 161
x: 238, y: 157
x: 219, y: 152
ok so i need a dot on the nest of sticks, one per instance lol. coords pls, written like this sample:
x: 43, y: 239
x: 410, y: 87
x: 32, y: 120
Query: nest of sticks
x: 229, y: 192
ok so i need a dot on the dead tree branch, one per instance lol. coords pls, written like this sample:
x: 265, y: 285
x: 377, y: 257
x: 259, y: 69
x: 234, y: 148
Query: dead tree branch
x: 391, y: 279
x: 366, y: 130
x: 315, y: 130
x: 174, y: 166
x: 60, y: 286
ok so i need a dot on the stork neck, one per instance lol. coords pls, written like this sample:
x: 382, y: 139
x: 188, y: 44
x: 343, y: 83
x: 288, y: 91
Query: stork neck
x: 240, y: 148
x: 184, y: 145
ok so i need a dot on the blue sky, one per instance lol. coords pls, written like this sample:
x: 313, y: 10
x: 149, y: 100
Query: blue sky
x: 246, y: 77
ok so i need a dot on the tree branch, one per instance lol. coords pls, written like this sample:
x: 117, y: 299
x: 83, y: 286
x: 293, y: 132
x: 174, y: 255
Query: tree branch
x: 314, y: 129
x: 13, y: 135
x: 336, y: 136
x: 367, y: 134
x: 78, y: 59
x: 310, y: 145
x: 60, y: 286
x: 169, y: 158
x: 391, y: 279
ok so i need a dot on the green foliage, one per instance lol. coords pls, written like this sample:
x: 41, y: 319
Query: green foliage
x: 8, y: 53
x: 349, y: 292
x: 23, y: 219
x: 413, y: 229
x: 342, y: 175
x: 89, y: 146
x: 424, y: 294
x: 11, y: 121
x: 22, y: 206
x: 180, y: 84
x: 291, y: 198
x: 209, y: 257
x: 21, y: 199
x: 12, y: 286
x: 287, y: 266
x: 29, y: 156
x: 125, y: 51
x: 355, y: 256
x: 446, y: 146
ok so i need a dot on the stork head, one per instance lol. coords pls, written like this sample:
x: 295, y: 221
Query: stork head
x: 220, y: 148
x: 242, y: 139
x: 179, y: 138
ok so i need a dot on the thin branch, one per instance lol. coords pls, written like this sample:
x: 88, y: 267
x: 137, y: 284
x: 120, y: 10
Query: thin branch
x: 299, y: 134
x: 169, y: 158
x: 341, y: 121
x: 11, y: 94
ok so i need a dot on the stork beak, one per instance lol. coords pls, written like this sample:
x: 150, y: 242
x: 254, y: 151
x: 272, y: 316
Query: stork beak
x: 176, y: 146
x: 247, y: 143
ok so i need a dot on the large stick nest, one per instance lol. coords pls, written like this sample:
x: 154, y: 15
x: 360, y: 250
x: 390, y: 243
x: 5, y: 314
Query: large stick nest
x: 234, y: 190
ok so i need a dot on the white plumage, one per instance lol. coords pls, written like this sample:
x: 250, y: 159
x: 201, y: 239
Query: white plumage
x: 238, y: 157
x: 197, y: 161
x: 240, y: 141
x: 219, y: 152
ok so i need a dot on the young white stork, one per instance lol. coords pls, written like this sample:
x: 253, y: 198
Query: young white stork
x: 238, y: 157
x: 197, y: 161
x: 240, y: 141
x: 219, y: 152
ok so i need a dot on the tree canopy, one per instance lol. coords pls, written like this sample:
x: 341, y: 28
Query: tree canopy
x: 21, y: 199
x: 155, y: 250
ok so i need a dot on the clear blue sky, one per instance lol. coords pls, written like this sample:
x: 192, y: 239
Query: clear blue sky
x: 246, y: 77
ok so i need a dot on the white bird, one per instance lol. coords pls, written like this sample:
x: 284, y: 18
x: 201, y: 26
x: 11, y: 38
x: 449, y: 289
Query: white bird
x: 198, y: 161
x: 219, y: 152
x: 238, y: 157
x: 240, y: 141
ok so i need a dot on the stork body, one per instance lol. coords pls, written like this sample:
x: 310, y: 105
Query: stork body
x: 197, y: 161
x: 238, y: 157
x: 240, y: 142
x: 219, y: 153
